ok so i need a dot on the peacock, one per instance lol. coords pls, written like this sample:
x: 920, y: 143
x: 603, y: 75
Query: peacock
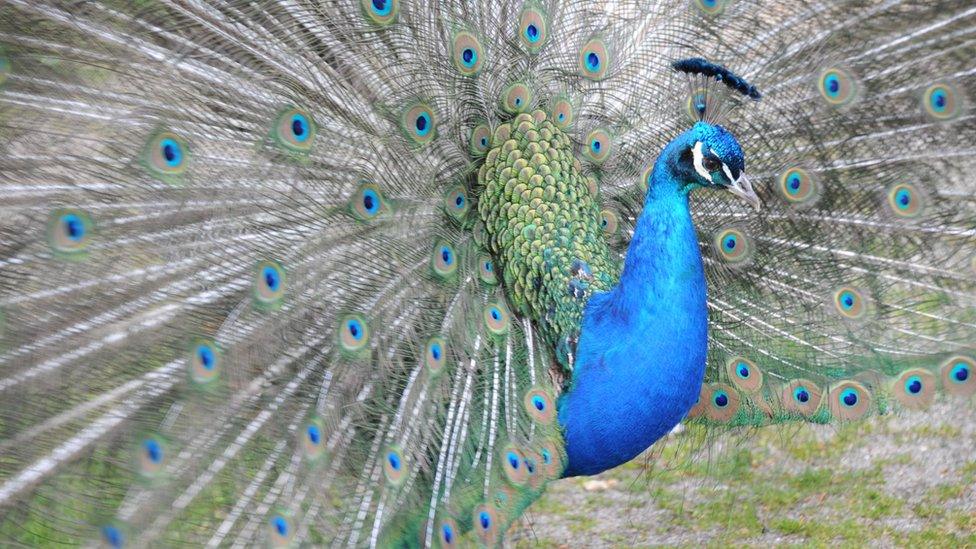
x: 375, y: 272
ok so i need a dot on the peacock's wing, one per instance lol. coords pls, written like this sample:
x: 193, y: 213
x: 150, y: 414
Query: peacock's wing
x: 853, y: 290
x: 241, y: 296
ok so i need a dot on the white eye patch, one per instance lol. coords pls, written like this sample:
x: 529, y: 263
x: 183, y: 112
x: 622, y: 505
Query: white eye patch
x: 728, y: 172
x: 699, y: 156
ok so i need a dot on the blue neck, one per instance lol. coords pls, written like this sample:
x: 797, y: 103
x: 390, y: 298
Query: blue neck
x: 641, y: 354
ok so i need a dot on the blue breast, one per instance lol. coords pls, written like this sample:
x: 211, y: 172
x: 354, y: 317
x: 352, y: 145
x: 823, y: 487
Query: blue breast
x: 642, y: 349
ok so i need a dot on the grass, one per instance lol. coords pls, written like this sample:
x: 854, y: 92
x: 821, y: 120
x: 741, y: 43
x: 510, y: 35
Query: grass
x: 808, y: 485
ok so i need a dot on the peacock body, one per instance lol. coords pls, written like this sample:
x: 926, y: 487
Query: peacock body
x: 374, y: 273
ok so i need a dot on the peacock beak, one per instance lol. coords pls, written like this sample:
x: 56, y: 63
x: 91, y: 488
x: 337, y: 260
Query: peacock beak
x: 743, y: 189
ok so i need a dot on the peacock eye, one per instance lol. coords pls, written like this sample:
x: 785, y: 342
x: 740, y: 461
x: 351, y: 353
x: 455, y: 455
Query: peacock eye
x: 711, y: 164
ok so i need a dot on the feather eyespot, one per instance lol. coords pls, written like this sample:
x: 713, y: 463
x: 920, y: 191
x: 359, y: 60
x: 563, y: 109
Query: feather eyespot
x: 562, y: 113
x: 516, y: 98
x: 313, y: 439
x: 958, y: 376
x: 114, y: 535
x: 394, y: 465
x: 594, y: 60
x: 744, y: 374
x: 281, y: 530
x: 480, y: 140
x: 418, y: 123
x: 837, y: 86
x: 598, y: 145
x: 905, y: 200
x: 367, y: 202
x: 152, y: 454
x: 848, y: 400
x: 69, y: 232
x: 914, y: 388
x: 850, y: 303
x: 353, y: 333
x: 496, y: 318
x: 456, y: 202
x: 444, y: 260
x: 711, y: 7
x: 798, y: 187
x: 486, y: 270
x: 533, y: 28
x: 381, y: 12
x: 722, y: 402
x: 467, y: 53
x: 941, y: 101
x: 448, y: 532
x: 733, y: 246
x: 269, y: 284
x: 435, y: 355
x: 513, y: 465
x: 204, y: 362
x: 801, y: 396
x: 539, y: 405
x: 166, y: 157
x: 485, y: 521
x: 608, y: 222
x: 294, y: 130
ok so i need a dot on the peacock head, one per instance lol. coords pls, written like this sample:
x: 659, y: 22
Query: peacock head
x: 707, y: 155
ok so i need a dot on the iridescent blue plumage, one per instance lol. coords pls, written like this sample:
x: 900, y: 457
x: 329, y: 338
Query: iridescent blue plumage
x: 641, y: 354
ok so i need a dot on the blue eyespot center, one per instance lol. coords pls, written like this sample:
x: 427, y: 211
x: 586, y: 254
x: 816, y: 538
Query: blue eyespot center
x: 592, y: 61
x: 914, y: 385
x: 459, y: 201
x: 271, y: 278
x: 381, y: 7
x: 206, y: 356
x: 960, y: 372
x: 539, y: 403
x: 355, y: 329
x: 743, y: 370
x: 495, y: 313
x: 794, y: 182
x: 299, y: 127
x: 314, y: 435
x: 596, y: 145
x: 484, y: 141
x: 74, y: 227
x: 423, y: 124
x: 849, y: 397
x: 904, y: 198
x: 280, y: 525
x: 154, y: 451
x: 469, y: 57
x: 801, y: 395
x: 939, y: 99
x: 721, y: 399
x: 113, y: 536
x: 488, y: 266
x: 484, y: 519
x: 394, y: 460
x: 513, y: 460
x: 532, y: 33
x: 172, y: 152
x: 730, y: 243
x: 832, y: 84
x: 446, y: 255
x: 447, y: 533
x: 561, y: 117
x: 371, y: 201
